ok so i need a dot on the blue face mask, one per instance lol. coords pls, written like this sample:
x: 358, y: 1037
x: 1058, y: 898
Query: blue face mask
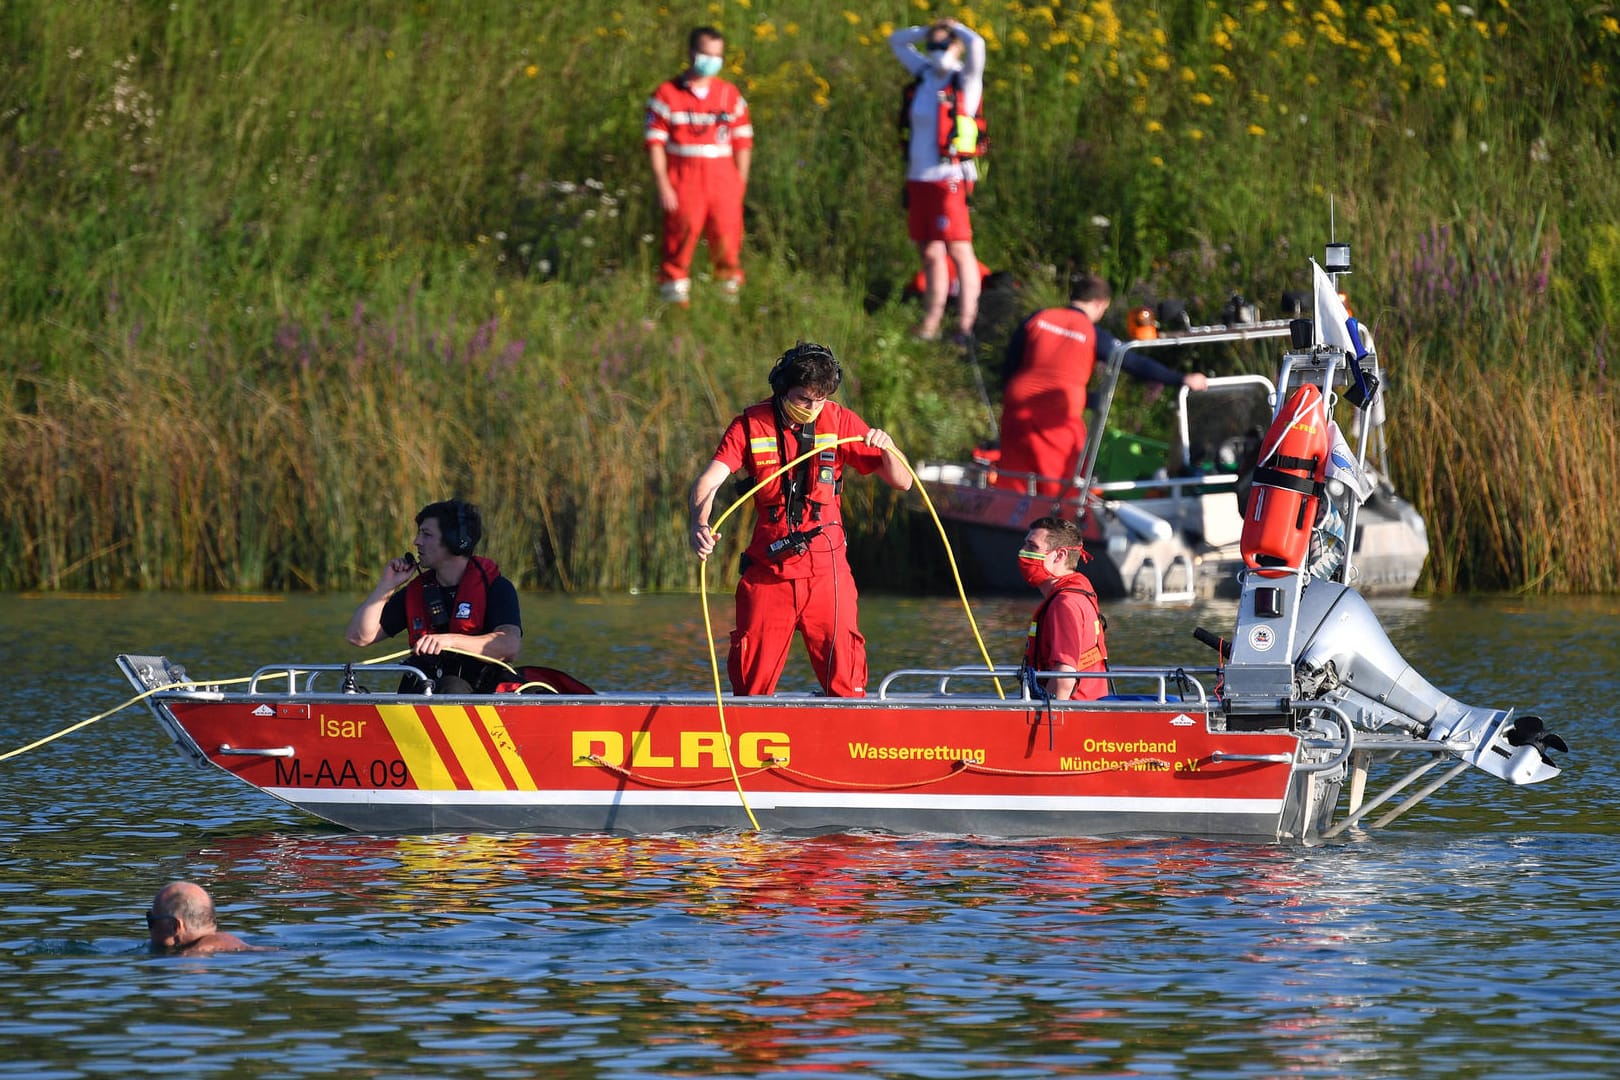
x: 708, y: 66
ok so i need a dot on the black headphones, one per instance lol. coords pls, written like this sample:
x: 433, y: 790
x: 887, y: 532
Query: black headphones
x: 778, y: 378
x: 458, y: 540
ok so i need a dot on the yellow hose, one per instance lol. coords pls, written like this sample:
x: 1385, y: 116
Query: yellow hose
x: 708, y: 626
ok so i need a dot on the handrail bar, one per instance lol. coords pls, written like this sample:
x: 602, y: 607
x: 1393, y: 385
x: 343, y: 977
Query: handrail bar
x: 1159, y: 676
x: 293, y: 671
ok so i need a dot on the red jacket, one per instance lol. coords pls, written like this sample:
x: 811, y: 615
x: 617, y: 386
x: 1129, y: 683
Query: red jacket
x: 690, y: 126
x: 758, y: 443
x: 1068, y: 629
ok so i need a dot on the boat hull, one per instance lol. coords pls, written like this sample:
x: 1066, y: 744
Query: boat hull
x: 626, y: 764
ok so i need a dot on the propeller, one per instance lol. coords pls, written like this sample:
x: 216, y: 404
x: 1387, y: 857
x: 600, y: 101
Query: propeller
x: 1532, y: 731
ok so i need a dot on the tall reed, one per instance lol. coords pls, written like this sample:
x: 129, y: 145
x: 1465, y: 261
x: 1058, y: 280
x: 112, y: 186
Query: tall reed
x: 278, y: 274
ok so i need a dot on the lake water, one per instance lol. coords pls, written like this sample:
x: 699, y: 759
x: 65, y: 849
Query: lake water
x: 1479, y: 937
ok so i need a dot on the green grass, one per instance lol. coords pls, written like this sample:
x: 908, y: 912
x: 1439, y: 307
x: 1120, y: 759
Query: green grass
x: 280, y: 273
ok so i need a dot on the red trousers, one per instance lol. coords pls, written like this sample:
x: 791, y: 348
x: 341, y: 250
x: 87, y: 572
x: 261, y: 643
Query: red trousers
x: 1040, y: 434
x: 709, y: 192
x: 822, y: 609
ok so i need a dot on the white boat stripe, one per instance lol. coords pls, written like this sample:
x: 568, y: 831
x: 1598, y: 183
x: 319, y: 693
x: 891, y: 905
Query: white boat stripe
x: 766, y: 800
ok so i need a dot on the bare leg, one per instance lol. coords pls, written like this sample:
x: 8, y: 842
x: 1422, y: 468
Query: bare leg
x: 967, y: 276
x: 936, y: 276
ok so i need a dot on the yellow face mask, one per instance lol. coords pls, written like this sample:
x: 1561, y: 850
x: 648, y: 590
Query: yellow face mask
x: 799, y: 414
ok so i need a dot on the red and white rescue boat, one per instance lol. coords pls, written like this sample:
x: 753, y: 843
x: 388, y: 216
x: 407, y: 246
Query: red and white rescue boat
x: 1283, y: 750
x: 1308, y: 724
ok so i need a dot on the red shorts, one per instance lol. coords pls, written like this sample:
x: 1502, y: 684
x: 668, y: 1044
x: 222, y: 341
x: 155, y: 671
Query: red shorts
x: 937, y: 210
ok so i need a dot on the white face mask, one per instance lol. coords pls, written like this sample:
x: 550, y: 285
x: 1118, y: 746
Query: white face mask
x: 946, y: 63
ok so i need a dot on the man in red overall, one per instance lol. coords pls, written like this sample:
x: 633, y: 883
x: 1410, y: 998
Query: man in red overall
x: 700, y: 141
x: 1066, y: 633
x: 1043, y: 407
x: 795, y: 571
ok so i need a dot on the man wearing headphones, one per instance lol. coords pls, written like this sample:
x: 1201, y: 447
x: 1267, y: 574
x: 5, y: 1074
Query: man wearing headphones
x: 455, y: 604
x: 795, y: 572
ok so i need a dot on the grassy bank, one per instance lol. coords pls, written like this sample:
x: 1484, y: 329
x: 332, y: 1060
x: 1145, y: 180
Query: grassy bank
x: 280, y: 273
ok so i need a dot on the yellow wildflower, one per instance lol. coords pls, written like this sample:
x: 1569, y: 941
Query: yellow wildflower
x: 1195, y: 134
x: 765, y: 31
x: 1202, y: 98
x: 531, y: 71
x: 1256, y: 130
x: 1188, y: 75
x: 1437, y: 75
x: 852, y: 18
x: 1158, y: 162
x: 1293, y: 39
x: 1153, y: 127
x: 1610, y: 25
x: 1018, y: 37
x: 1223, y: 71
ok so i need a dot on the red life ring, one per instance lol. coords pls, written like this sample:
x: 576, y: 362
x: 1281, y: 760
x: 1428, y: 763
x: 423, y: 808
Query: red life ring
x: 1287, y: 484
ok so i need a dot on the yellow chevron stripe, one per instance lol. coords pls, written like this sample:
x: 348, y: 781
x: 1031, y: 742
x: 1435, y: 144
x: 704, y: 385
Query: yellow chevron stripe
x: 411, y: 739
x: 504, y: 743
x: 475, y: 761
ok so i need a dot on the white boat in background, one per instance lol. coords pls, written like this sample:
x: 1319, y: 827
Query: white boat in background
x: 1162, y: 518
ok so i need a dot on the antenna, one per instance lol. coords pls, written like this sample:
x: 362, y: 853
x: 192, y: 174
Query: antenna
x: 1337, y: 259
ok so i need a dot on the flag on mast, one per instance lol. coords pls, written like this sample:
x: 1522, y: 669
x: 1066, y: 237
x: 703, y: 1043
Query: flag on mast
x: 1334, y: 325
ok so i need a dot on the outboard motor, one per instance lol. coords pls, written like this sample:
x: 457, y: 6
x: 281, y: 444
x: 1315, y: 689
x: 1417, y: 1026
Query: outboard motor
x: 1344, y: 657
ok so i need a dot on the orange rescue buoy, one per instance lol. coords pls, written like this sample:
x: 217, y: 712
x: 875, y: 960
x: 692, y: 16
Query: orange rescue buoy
x: 1287, y: 484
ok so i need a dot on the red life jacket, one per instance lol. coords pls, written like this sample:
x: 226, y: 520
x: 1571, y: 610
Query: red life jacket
x: 466, y: 603
x: 950, y: 107
x: 1094, y: 660
x: 779, y: 511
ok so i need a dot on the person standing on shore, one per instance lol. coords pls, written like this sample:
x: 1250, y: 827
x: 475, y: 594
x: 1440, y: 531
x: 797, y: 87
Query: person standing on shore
x: 796, y: 571
x: 940, y: 172
x: 700, y: 143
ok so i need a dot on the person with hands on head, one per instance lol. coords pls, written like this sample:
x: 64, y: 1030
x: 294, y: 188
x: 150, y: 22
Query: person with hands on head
x: 456, y: 605
x: 1067, y: 631
x: 940, y: 172
x: 795, y: 571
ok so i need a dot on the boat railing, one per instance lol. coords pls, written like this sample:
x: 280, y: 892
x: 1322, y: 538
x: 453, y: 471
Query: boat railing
x: 311, y: 672
x: 979, y: 476
x: 1161, y: 686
